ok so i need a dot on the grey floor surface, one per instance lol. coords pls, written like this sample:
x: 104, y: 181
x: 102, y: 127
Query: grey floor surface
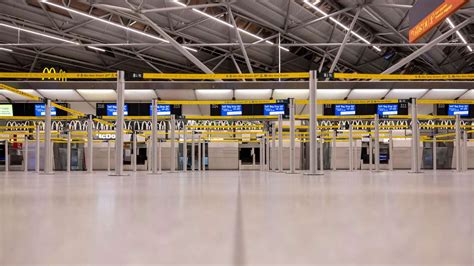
x: 237, y: 218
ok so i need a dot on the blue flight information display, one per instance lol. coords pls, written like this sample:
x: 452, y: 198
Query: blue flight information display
x: 387, y: 109
x: 231, y: 109
x: 112, y: 109
x: 274, y: 109
x: 40, y: 110
x: 458, y: 109
x: 345, y: 109
x: 163, y: 109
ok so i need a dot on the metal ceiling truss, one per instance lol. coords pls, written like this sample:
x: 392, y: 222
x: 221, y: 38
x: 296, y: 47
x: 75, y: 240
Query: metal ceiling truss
x: 228, y: 51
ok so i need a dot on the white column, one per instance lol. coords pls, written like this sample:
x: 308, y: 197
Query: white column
x: 119, y: 123
x: 185, y: 148
x: 25, y: 153
x: 435, y: 154
x: 334, y: 152
x: 37, y: 150
x: 273, y: 149
x: 108, y: 156
x: 134, y: 152
x: 48, y: 169
x: 261, y: 152
x: 7, y: 159
x: 371, y: 153
x: 313, y: 123
x: 267, y: 151
x: 457, y: 143
x: 193, y: 157
x: 172, y: 146
x: 292, y: 136
x: 377, y: 143
x: 415, y: 138
x: 204, y: 155
x: 199, y: 155
x: 68, y: 152
x: 390, y: 151
x: 154, y: 137
x: 464, y: 149
x: 90, y: 143
x: 159, y: 157
x: 351, y: 148
x: 280, y: 143
x: 321, y: 154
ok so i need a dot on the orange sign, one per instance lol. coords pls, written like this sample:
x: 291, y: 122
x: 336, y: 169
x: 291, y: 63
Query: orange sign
x: 435, y: 18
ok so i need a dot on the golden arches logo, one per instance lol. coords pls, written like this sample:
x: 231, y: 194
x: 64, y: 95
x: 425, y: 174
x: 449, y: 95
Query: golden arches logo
x: 52, y: 70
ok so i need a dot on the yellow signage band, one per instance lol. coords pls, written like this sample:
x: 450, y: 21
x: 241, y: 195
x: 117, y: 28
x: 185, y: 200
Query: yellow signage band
x: 347, y: 101
x: 229, y: 76
x: 404, y: 77
x: 217, y: 102
x: 60, y: 76
x: 19, y: 92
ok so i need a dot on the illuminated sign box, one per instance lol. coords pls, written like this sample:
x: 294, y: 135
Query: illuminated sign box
x: 40, y: 110
x: 112, y: 109
x: 6, y: 110
x: 458, y: 109
x: 274, y: 109
x: 231, y: 109
x: 427, y: 14
x: 345, y: 109
x: 162, y: 109
x: 387, y: 109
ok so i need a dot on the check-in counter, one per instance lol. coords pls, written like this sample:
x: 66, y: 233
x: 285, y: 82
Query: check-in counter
x: 223, y: 156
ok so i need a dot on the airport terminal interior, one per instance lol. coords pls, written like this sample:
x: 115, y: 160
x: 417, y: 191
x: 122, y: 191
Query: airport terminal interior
x: 229, y: 132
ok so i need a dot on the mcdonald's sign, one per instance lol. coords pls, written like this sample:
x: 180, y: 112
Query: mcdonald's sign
x: 52, y: 70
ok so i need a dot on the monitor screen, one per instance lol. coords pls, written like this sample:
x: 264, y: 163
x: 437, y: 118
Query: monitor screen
x: 274, y: 109
x: 387, y: 109
x: 231, y: 109
x: 458, y: 109
x: 163, y: 109
x: 112, y: 109
x: 345, y: 109
x: 40, y: 109
x: 6, y: 110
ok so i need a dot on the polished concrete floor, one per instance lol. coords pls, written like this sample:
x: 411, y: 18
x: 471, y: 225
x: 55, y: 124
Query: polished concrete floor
x: 237, y: 218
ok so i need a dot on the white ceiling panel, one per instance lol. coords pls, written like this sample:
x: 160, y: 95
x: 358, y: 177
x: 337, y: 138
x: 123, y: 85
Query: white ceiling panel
x: 253, y: 94
x: 139, y: 95
x: 444, y: 94
x: 15, y: 97
x: 468, y: 96
x: 285, y: 94
x: 61, y: 95
x: 98, y: 95
x: 405, y: 93
x: 176, y: 94
x: 338, y: 94
x: 367, y: 94
x: 214, y: 94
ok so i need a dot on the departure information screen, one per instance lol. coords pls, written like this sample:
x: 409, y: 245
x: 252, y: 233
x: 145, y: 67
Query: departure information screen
x: 40, y: 110
x: 163, y: 109
x: 458, y: 109
x: 387, y: 109
x: 6, y: 110
x: 345, y: 109
x: 112, y: 109
x: 274, y: 109
x: 231, y: 109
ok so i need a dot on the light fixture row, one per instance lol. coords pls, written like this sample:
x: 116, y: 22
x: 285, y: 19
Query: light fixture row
x: 451, y: 24
x: 109, y: 23
x: 230, y: 25
x: 341, y: 24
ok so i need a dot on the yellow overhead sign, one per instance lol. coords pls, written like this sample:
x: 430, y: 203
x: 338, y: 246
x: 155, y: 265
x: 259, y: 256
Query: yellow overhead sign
x: 19, y: 92
x: 218, y: 102
x: 293, y: 75
x: 404, y: 77
x: 59, y: 76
